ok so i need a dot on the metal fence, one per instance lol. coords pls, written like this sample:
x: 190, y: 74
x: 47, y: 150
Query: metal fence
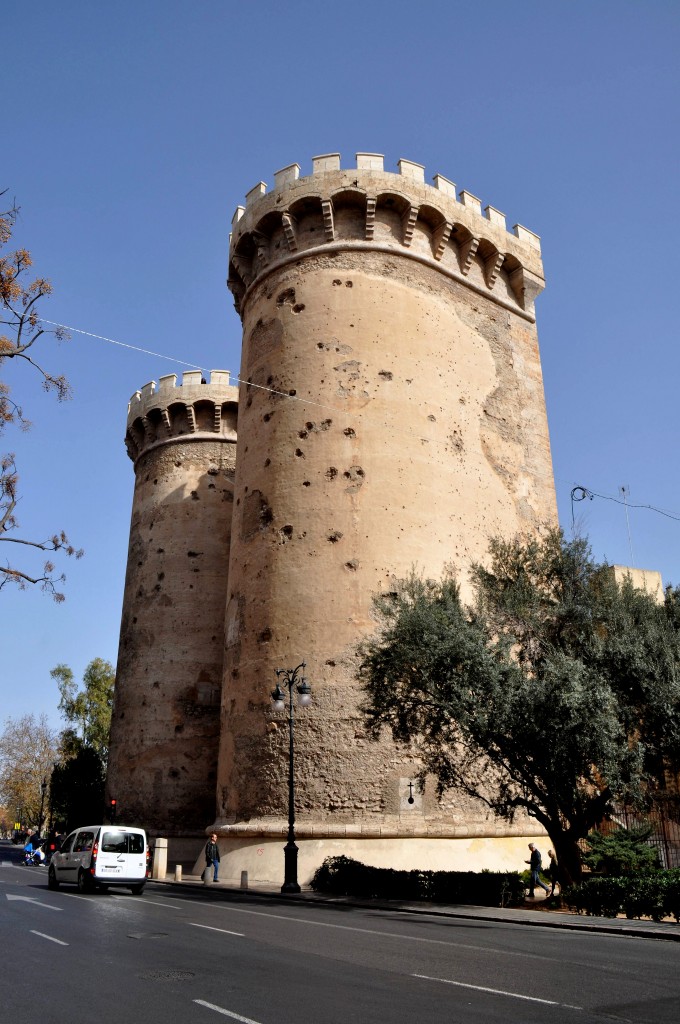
x: 664, y: 819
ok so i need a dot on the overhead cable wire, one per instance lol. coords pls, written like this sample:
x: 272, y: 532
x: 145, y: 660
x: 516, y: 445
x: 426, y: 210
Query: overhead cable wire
x: 123, y: 344
x: 580, y: 493
x: 239, y: 380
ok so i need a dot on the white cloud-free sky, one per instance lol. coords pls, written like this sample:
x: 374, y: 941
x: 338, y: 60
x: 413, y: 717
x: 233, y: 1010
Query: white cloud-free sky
x: 133, y: 130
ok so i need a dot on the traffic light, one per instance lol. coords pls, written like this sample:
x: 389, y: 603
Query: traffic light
x: 112, y: 813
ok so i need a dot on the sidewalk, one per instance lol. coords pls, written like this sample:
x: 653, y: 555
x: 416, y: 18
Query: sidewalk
x: 499, y: 915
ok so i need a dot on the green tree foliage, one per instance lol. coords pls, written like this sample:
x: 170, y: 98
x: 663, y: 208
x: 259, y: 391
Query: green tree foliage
x: 78, y: 790
x: 79, y: 779
x: 20, y: 330
x: 28, y: 750
x: 556, y: 694
x: 623, y: 851
x: 87, y: 710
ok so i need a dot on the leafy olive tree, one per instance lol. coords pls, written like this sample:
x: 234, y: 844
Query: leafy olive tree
x: 556, y: 694
x: 20, y: 330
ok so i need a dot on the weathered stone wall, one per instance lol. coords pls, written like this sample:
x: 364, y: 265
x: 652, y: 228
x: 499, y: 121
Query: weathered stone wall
x: 396, y: 418
x: 165, y: 725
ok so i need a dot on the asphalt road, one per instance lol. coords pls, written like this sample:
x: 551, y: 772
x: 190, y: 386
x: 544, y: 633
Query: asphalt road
x: 199, y: 956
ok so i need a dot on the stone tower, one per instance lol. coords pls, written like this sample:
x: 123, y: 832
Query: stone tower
x: 165, y: 724
x: 391, y: 415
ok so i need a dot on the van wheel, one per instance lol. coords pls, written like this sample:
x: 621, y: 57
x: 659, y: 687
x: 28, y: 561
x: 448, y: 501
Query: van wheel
x: 83, y: 882
x: 137, y: 890
x: 52, y: 880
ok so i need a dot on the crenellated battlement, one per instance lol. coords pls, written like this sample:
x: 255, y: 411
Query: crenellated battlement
x: 367, y: 207
x: 164, y: 412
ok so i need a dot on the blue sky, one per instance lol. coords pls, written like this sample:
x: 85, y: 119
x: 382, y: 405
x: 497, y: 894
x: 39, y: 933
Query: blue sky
x: 133, y: 130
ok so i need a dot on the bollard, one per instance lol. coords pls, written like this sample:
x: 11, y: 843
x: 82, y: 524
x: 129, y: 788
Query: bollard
x: 178, y: 872
x: 208, y: 874
x: 244, y: 879
x: 160, y: 859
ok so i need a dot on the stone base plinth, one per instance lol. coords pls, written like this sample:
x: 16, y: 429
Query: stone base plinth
x: 262, y: 858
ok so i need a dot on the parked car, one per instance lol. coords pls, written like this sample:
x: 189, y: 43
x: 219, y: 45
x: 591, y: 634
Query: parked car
x: 99, y: 856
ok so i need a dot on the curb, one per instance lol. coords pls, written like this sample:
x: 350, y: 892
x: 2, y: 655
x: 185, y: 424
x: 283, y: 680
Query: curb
x: 546, y: 919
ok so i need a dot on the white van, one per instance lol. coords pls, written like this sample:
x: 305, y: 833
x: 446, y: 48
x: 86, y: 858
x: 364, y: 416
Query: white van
x: 97, y: 856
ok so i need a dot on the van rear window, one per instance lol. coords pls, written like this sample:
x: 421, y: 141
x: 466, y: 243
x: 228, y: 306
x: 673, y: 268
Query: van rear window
x: 122, y: 842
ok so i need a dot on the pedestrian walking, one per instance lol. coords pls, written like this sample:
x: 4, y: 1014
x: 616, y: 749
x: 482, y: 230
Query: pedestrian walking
x: 552, y: 871
x: 212, y: 856
x: 534, y: 863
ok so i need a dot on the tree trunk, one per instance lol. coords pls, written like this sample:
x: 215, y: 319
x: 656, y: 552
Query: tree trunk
x: 568, y: 853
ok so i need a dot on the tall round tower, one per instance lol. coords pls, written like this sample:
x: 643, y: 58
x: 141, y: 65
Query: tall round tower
x: 391, y: 416
x: 165, y: 724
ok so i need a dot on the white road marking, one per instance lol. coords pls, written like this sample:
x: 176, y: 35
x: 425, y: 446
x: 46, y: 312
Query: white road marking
x: 498, y: 992
x: 27, y: 899
x: 50, y: 937
x: 72, y: 896
x: 181, y: 903
x: 386, y: 935
x: 227, y: 1013
x: 136, y: 898
x: 225, y: 931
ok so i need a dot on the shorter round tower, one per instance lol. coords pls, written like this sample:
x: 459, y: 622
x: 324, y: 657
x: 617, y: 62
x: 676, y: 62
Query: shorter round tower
x: 165, y: 723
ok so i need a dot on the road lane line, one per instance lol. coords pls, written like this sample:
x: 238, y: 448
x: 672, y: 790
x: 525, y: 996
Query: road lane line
x: 136, y: 898
x: 227, y: 1013
x: 50, y: 937
x: 498, y: 992
x: 211, y: 929
x: 29, y: 899
x: 389, y: 935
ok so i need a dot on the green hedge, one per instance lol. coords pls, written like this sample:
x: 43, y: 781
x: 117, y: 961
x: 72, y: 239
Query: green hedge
x: 655, y: 895
x: 343, y: 876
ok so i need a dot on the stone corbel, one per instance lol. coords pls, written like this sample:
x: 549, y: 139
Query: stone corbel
x: 165, y: 417
x: 217, y: 418
x: 440, y: 237
x: 261, y: 248
x: 131, y: 446
x: 492, y: 267
x: 408, y: 223
x: 244, y: 267
x: 289, y: 226
x: 149, y: 432
x: 238, y: 290
x: 370, y: 219
x: 328, y: 225
x: 191, y: 417
x: 526, y: 286
x: 466, y: 254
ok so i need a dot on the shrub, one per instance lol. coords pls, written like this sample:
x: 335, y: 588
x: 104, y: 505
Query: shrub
x: 625, y: 851
x: 654, y: 895
x: 343, y: 876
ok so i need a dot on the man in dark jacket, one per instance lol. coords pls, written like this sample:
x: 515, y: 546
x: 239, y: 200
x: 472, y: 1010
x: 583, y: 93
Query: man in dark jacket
x: 212, y: 855
x: 534, y: 869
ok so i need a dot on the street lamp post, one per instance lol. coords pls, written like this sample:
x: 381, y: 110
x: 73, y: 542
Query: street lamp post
x: 290, y: 678
x: 43, y: 790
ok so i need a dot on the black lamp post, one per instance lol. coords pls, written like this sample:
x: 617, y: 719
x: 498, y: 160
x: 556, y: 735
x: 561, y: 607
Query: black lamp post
x: 43, y: 790
x: 304, y: 695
